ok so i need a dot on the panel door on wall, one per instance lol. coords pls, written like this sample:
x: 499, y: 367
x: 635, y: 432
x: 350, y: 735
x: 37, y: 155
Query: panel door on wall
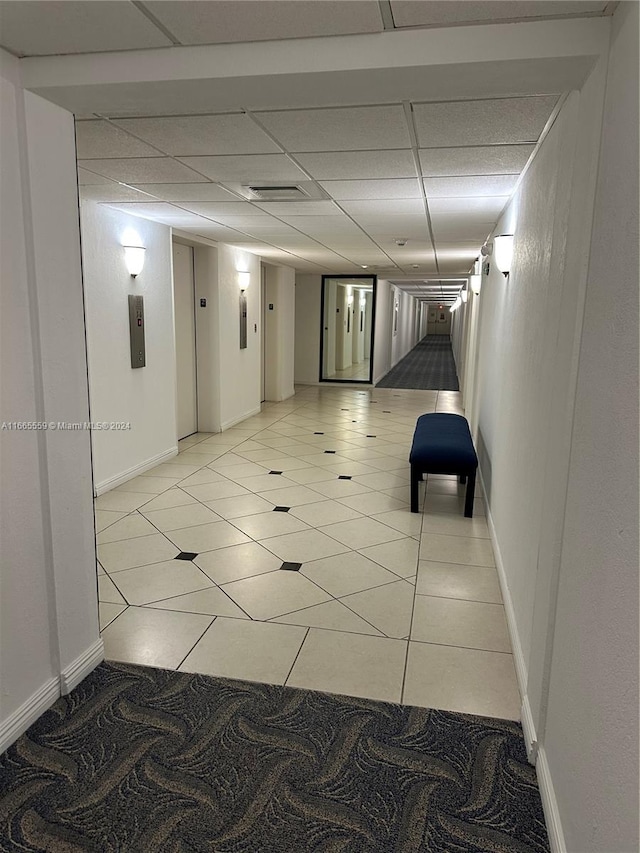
x: 184, y: 302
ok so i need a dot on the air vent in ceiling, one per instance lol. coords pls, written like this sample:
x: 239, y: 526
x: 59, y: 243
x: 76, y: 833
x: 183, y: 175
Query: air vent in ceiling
x: 278, y: 193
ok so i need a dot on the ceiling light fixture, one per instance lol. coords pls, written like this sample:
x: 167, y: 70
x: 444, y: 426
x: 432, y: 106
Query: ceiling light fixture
x: 134, y: 259
x: 401, y: 241
x: 503, y: 252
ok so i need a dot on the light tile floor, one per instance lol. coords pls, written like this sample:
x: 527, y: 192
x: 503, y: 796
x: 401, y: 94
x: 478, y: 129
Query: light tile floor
x: 195, y: 560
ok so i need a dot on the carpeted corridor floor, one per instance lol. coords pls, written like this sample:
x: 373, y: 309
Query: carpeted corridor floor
x: 429, y: 366
x: 138, y: 760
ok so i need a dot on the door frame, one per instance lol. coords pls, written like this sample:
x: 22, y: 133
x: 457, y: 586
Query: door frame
x: 374, y: 280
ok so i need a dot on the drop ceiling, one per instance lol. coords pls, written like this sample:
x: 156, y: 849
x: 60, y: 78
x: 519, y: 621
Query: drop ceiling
x: 408, y: 187
x: 421, y: 178
x: 62, y: 27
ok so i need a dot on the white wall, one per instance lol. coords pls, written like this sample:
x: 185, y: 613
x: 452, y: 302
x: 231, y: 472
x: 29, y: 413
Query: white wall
x: 392, y: 346
x: 145, y: 397
x: 307, y: 332
x: 48, y: 598
x: 240, y: 390
x: 205, y: 262
x: 280, y: 332
x: 568, y: 579
x: 591, y: 739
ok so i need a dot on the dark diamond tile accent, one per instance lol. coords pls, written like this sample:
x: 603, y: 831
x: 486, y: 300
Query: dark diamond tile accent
x: 275, y: 472
x: 386, y: 411
x: 291, y: 567
x: 354, y: 422
x: 318, y: 433
x: 344, y: 476
x: 372, y: 436
x: 186, y: 555
x: 344, y: 410
x: 329, y: 451
x: 281, y: 508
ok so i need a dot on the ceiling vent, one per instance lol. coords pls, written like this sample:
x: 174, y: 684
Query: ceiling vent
x: 278, y: 193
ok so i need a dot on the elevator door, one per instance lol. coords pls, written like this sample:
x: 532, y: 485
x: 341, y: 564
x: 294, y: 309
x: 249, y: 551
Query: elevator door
x: 184, y: 302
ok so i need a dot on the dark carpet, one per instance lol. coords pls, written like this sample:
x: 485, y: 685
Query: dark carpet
x: 144, y: 760
x: 429, y: 366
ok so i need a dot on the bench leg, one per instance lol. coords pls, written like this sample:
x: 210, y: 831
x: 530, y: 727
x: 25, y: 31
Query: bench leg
x: 468, y: 501
x: 463, y: 479
x: 416, y: 476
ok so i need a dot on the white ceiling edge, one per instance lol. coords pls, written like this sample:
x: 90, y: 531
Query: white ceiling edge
x: 441, y: 64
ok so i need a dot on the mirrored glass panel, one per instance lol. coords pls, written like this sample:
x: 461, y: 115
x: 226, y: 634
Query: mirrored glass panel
x: 348, y: 313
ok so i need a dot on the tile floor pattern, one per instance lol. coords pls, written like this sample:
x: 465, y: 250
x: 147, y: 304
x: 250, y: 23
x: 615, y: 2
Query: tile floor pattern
x: 341, y: 589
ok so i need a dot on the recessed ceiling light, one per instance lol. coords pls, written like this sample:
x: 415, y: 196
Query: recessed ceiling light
x: 364, y: 266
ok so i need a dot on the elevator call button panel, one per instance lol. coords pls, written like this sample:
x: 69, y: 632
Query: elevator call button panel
x: 136, y: 330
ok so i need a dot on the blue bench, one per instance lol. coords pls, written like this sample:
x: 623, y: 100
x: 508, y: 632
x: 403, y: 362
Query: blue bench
x: 442, y: 444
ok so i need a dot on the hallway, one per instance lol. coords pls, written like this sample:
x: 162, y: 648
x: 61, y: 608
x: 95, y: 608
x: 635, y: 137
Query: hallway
x: 429, y: 366
x: 384, y: 604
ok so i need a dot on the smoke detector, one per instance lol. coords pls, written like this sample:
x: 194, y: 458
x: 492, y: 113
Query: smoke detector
x: 400, y: 241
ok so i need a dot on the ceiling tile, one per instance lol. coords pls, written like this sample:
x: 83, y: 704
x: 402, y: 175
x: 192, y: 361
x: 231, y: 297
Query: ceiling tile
x: 355, y: 190
x: 96, y: 139
x: 159, y: 212
x: 321, y: 224
x: 143, y: 170
x: 357, y: 165
x: 195, y: 135
x: 485, y: 122
x: 256, y: 20
x: 189, y: 192
x: 299, y: 208
x: 223, y: 209
x: 247, y: 168
x: 260, y: 224
x: 48, y: 27
x: 476, y: 160
x: 86, y: 178
x: 421, y: 13
x: 469, y: 186
x: 395, y: 227
x: 112, y: 192
x: 384, y: 208
x: 345, y: 129
x: 222, y: 234
x: 450, y: 265
x: 347, y: 244
x: 479, y: 207
x: 458, y: 228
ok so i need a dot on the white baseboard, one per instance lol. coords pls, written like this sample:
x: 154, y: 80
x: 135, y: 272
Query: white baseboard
x: 228, y: 424
x: 135, y: 471
x: 550, y: 804
x: 529, y: 731
x: 18, y: 722
x: 528, y: 726
x: 85, y: 663
x: 516, y: 646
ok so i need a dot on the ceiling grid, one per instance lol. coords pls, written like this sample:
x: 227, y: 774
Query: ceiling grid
x: 407, y: 188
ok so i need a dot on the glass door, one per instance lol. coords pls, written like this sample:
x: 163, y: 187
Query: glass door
x: 347, y: 332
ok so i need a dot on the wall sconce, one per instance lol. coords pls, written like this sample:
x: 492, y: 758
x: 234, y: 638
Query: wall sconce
x: 456, y: 305
x: 244, y: 279
x: 475, y: 283
x: 464, y: 295
x: 503, y: 252
x: 134, y: 259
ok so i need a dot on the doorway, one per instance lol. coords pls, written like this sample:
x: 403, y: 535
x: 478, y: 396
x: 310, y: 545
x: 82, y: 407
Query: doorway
x: 185, y: 330
x: 347, y: 328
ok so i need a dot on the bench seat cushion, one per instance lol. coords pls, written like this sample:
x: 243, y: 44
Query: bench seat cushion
x: 442, y: 444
